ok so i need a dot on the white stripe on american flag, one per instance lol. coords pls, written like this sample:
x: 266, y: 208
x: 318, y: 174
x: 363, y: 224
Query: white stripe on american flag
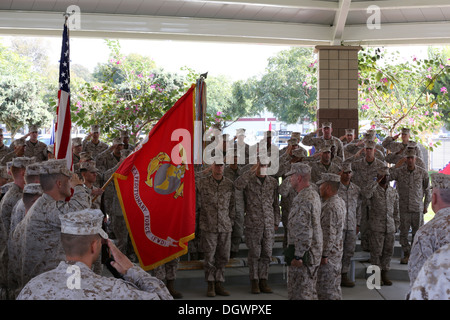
x: 62, y: 128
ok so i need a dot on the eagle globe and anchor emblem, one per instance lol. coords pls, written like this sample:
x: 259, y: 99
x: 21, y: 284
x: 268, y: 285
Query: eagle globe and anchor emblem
x: 164, y: 177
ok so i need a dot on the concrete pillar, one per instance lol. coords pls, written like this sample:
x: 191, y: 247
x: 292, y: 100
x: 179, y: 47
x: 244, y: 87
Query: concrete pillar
x: 338, y: 87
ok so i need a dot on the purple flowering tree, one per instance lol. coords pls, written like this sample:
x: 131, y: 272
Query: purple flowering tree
x: 395, y: 92
x: 131, y: 94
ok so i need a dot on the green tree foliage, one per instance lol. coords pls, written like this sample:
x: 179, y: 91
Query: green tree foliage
x: 441, y: 88
x: 20, y: 104
x: 396, y: 93
x: 21, y: 87
x: 131, y: 94
x: 287, y: 88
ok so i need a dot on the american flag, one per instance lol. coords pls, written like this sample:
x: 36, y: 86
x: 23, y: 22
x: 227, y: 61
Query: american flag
x: 63, y: 140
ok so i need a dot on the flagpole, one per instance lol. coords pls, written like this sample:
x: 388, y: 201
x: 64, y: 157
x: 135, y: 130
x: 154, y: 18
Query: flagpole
x: 200, y: 113
x: 104, y: 186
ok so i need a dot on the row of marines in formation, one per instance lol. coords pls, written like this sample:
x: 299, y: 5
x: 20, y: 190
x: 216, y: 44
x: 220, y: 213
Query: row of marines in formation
x: 355, y: 172
x: 233, y: 200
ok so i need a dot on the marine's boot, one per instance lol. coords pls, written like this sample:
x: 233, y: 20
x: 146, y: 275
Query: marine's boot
x: 170, y: 286
x: 255, y: 287
x: 220, y: 290
x: 384, y: 279
x: 211, y: 292
x: 346, y: 282
x: 263, y: 287
x: 405, y: 258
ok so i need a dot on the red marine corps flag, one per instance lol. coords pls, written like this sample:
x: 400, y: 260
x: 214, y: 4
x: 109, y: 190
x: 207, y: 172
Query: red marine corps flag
x: 156, y: 187
x: 63, y: 141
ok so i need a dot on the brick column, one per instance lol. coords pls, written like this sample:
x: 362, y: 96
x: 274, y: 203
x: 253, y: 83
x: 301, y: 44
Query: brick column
x: 338, y: 87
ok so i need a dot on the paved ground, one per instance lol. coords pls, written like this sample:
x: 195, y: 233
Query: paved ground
x: 239, y: 288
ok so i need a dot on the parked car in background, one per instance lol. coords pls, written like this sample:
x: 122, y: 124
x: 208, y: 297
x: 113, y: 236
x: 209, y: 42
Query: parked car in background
x: 7, y: 139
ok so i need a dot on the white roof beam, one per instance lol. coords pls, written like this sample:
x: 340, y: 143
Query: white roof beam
x: 300, y: 4
x: 50, y: 23
x: 405, y: 33
x: 339, y: 21
x: 400, y: 4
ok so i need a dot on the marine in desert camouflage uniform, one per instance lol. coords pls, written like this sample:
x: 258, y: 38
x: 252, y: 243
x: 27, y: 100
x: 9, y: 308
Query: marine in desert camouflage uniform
x: 216, y: 211
x: 356, y: 147
x: 413, y: 186
x: 305, y: 234
x: 325, y: 139
x: 125, y: 136
x: 53, y: 284
x: 262, y: 217
x: 399, y: 158
x: 324, y: 165
x: 113, y: 210
x: 432, y: 282
x: 92, y: 142
x: 400, y: 147
x: 352, y: 196
x: 7, y: 204
x: 232, y: 171
x: 89, y: 174
x: 34, y: 147
x: 365, y: 170
x: 293, y: 153
x: 31, y: 192
x: 110, y: 157
x: 384, y: 220
x: 40, y: 241
x: 32, y: 173
x: 436, y: 232
x: 332, y: 222
x: 18, y: 150
x: 77, y: 147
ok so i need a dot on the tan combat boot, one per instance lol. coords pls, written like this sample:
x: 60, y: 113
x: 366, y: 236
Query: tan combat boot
x: 263, y: 287
x: 384, y: 279
x: 405, y: 258
x: 345, y: 281
x: 175, y: 294
x: 220, y: 290
x: 211, y: 292
x: 255, y: 287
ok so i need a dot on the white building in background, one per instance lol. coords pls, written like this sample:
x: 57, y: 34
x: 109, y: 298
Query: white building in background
x: 256, y: 126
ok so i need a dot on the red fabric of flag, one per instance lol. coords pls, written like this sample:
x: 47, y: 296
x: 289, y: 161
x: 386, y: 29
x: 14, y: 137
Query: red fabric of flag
x: 156, y: 187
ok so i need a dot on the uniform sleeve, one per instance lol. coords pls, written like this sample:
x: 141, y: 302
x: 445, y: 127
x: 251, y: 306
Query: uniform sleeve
x: 340, y: 149
x: 80, y: 199
x: 327, y: 232
x: 241, y: 182
x: 387, y: 142
x: 300, y: 219
x: 369, y: 190
x: 359, y: 206
x: 309, y: 139
x: 426, y: 190
x: 145, y: 282
x: 276, y: 206
x: 396, y: 212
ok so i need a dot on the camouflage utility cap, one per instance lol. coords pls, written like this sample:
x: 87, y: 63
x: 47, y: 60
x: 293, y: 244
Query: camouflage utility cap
x: 440, y: 181
x: 299, y: 168
x: 329, y: 177
x: 83, y: 223
x: 33, y: 188
x: 55, y: 166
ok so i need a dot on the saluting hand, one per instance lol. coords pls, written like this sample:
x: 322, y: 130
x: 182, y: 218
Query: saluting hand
x: 121, y: 263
